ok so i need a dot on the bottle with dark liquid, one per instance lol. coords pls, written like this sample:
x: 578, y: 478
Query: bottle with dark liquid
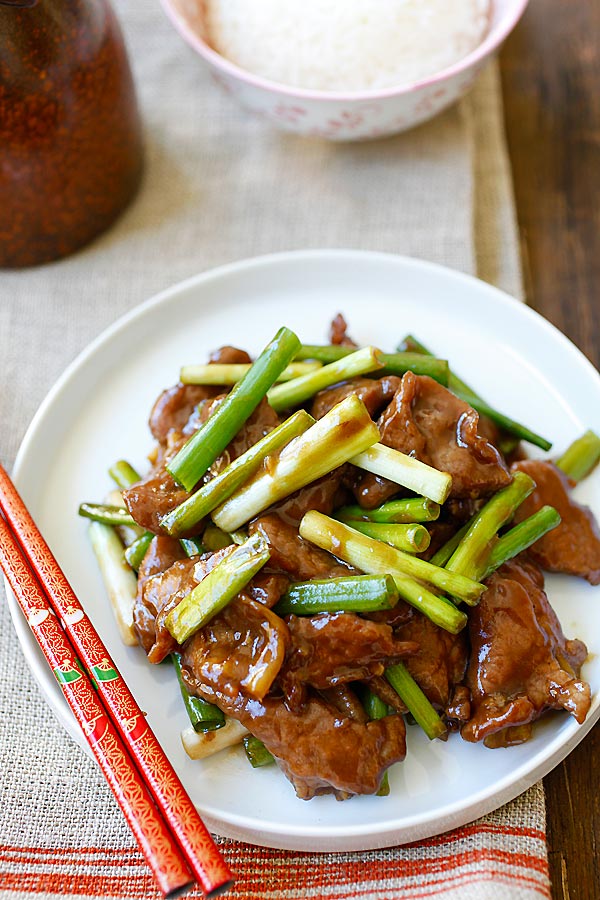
x: 70, y: 136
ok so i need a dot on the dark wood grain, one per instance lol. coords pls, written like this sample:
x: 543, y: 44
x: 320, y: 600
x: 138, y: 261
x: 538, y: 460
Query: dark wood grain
x: 551, y: 82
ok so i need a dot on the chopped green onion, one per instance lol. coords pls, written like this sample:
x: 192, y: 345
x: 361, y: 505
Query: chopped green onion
x: 352, y: 593
x: 119, y: 580
x: 199, y: 453
x: 135, y: 553
x: 413, y: 509
x: 231, y: 373
x: 193, y: 547
x: 217, y: 589
x: 581, y: 457
x: 123, y: 474
x: 521, y: 537
x: 377, y: 558
x: 106, y: 514
x: 257, y: 753
x: 405, y: 470
x: 409, y: 538
x: 395, y: 363
x: 416, y: 701
x: 293, y: 393
x: 203, y: 716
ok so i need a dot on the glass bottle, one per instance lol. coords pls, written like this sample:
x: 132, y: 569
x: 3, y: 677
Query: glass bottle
x: 70, y: 135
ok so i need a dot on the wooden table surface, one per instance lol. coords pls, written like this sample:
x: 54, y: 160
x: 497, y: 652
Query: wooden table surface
x: 551, y: 81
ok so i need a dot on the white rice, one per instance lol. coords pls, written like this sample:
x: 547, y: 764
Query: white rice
x: 345, y: 45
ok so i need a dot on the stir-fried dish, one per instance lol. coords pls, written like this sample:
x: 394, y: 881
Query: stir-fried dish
x: 332, y: 541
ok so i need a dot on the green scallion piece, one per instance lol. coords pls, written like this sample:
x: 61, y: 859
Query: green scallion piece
x: 106, y: 514
x: 217, y: 588
x: 415, y: 700
x: 470, y: 557
x: 405, y: 470
x: 521, y: 537
x: 409, y: 538
x: 223, y: 485
x: 257, y: 753
x: 231, y: 373
x: 203, y: 716
x: 135, y: 553
x: 394, y: 363
x: 216, y: 539
x: 353, y: 593
x: 377, y: 558
x: 413, y: 509
x: 375, y: 708
x: 123, y: 474
x: 192, y: 547
x: 464, y: 392
x: 441, y: 556
x: 199, y: 453
x: 293, y: 393
x: 581, y: 457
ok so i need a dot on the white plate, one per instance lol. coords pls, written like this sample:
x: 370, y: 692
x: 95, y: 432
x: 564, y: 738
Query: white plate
x: 97, y: 413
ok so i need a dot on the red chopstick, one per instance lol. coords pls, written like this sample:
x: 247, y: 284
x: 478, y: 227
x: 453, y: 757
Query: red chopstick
x: 121, y: 712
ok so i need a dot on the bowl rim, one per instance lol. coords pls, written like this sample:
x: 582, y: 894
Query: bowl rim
x: 489, y: 44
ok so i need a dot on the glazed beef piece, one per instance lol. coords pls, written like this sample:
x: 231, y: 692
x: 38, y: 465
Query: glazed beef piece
x: 573, y: 546
x: 324, y: 495
x: 175, y: 406
x: 375, y: 393
x: 338, y: 332
x: 426, y: 421
x: 160, y: 593
x: 319, y: 750
x: 263, y: 420
x: 266, y: 588
x: 240, y: 650
x: 160, y: 555
x: 521, y: 663
x: 336, y: 648
x: 229, y: 356
x: 293, y: 555
x: 441, y: 661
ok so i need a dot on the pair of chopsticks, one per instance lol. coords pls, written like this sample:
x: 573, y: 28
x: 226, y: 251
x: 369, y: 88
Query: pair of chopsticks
x: 163, y: 819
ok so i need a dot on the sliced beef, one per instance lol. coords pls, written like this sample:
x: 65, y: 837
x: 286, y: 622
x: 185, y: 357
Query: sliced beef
x: 573, y: 546
x: 160, y: 555
x: 175, y: 406
x: 324, y: 495
x: 338, y: 332
x: 162, y: 592
x: 428, y: 422
x: 319, y: 750
x: 263, y: 420
x: 267, y: 588
x: 441, y: 661
x: 336, y: 648
x: 240, y: 650
x: 375, y: 393
x: 521, y: 663
x: 293, y: 555
x: 229, y: 356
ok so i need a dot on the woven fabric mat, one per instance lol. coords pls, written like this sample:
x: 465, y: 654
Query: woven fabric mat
x: 221, y: 185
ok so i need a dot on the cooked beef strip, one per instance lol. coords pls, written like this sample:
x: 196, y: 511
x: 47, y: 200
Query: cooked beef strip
x: 157, y: 494
x: 336, y: 648
x: 521, y: 663
x: 175, y: 406
x: 324, y: 495
x: 338, y: 332
x: 229, y: 356
x: 573, y: 546
x: 342, y: 698
x: 160, y: 555
x: 428, y: 422
x: 319, y: 750
x: 163, y: 591
x: 441, y: 661
x: 458, y: 709
x: 266, y: 588
x: 292, y: 554
x: 240, y: 650
x: 386, y: 692
x: 375, y: 393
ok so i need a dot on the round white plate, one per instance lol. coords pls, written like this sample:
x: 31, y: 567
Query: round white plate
x: 97, y: 413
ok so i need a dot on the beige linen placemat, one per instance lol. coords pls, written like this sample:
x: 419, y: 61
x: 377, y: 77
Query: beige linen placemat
x: 219, y: 186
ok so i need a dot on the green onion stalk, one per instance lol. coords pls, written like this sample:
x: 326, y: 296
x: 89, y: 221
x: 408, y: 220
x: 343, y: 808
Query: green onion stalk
x: 352, y: 593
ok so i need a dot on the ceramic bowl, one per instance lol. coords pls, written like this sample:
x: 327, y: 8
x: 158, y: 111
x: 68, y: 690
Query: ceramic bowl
x: 340, y: 116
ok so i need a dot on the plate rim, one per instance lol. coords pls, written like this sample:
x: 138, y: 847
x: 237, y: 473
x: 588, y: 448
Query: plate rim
x: 487, y: 799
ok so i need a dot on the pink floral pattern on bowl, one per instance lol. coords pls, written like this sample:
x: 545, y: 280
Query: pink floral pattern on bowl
x: 338, y: 116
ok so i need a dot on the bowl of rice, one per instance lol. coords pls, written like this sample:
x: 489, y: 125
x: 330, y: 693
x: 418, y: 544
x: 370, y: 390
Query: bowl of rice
x: 345, y: 69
